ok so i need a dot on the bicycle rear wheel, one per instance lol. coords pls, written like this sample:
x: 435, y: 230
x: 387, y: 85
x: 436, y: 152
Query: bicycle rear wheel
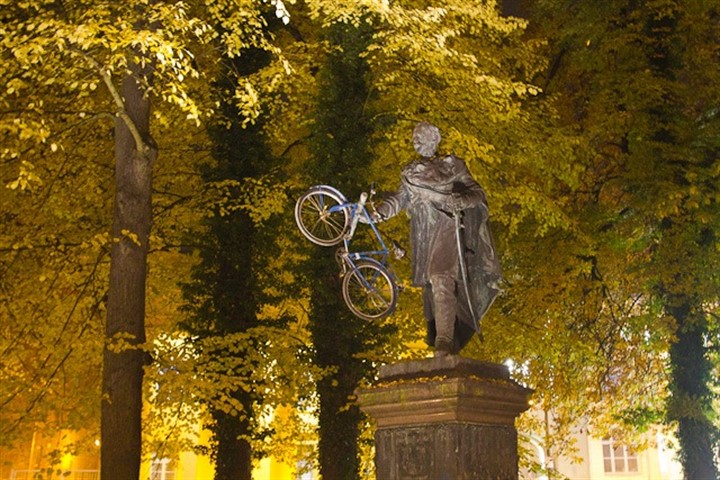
x: 319, y: 218
x: 369, y: 290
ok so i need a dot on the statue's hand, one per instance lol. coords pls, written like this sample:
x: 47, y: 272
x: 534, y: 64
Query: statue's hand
x: 455, y: 203
x: 374, y: 216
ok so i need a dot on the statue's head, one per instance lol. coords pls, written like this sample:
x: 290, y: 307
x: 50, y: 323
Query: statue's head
x: 426, y: 138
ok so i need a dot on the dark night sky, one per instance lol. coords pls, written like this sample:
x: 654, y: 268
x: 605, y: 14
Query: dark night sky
x: 511, y: 8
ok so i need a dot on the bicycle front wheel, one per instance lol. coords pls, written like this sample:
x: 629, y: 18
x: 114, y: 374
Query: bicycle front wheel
x: 369, y: 290
x: 319, y: 217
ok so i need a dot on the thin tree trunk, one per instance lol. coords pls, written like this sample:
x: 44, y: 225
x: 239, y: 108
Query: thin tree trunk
x: 123, y: 370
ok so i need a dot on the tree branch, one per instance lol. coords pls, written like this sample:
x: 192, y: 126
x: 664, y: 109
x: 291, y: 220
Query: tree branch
x: 117, y: 99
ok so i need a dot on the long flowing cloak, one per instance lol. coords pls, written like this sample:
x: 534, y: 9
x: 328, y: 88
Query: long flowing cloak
x: 425, y: 192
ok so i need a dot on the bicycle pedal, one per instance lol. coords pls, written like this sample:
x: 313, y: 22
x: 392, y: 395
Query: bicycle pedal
x: 339, y: 256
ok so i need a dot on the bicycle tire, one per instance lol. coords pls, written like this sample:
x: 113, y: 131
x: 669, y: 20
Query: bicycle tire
x: 316, y: 222
x: 369, y: 290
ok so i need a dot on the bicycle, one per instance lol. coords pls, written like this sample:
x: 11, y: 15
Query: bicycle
x: 327, y: 218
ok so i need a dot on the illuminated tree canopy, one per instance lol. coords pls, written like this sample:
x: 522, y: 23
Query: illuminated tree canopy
x: 592, y: 128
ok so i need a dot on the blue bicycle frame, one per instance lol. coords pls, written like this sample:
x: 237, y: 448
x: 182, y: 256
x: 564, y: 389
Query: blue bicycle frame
x: 359, y: 210
x: 327, y: 218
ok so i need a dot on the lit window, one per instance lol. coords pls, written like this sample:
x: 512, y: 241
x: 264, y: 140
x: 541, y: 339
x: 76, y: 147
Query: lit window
x: 304, y: 471
x: 160, y: 469
x: 618, y: 458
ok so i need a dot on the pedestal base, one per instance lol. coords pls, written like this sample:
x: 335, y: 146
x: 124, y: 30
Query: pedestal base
x: 448, y: 418
x: 447, y: 451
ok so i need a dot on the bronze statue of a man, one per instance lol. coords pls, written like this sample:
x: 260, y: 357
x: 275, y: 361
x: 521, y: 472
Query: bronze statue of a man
x: 453, y: 256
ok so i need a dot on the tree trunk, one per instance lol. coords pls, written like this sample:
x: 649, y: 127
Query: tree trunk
x: 337, y: 341
x: 234, y: 453
x: 692, y: 399
x: 343, y: 133
x: 224, y: 294
x: 132, y: 217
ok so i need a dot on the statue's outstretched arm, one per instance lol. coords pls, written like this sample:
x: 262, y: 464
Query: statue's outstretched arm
x: 393, y: 204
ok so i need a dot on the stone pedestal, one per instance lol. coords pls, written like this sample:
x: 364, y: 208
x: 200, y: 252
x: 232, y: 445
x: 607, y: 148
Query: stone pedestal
x: 448, y: 418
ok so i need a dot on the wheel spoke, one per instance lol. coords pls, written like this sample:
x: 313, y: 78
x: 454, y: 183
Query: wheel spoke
x: 369, y: 292
x: 319, y: 217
